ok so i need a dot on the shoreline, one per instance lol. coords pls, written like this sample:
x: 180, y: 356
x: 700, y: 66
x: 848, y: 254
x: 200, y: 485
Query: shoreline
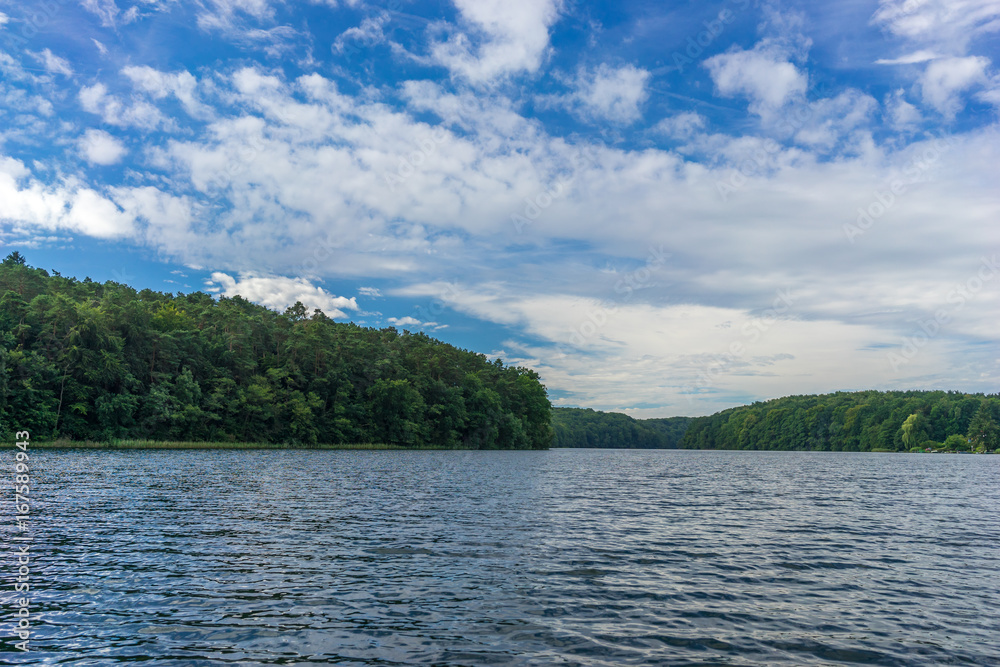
x: 176, y: 445
x: 155, y: 444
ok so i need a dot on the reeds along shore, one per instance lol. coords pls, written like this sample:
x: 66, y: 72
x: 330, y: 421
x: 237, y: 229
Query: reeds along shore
x: 155, y: 444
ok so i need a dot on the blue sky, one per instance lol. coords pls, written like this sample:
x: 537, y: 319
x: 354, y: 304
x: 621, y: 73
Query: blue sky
x: 664, y: 207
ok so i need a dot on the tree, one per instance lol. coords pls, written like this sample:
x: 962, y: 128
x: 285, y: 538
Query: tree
x: 914, y: 432
x: 984, y: 434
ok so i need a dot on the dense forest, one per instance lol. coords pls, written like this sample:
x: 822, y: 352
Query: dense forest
x: 855, y: 421
x: 575, y: 427
x: 83, y: 360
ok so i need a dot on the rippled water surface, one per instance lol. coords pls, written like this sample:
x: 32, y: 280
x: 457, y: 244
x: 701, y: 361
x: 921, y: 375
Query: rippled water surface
x: 566, y: 557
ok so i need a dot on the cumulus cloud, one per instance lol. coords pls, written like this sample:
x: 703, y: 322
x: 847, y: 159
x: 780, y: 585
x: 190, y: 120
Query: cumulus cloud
x: 99, y: 147
x: 610, y: 94
x: 763, y: 74
x: 944, y: 80
x: 181, y: 85
x: 682, y: 126
x: 27, y: 203
x: 500, y: 37
x: 96, y: 100
x: 278, y: 293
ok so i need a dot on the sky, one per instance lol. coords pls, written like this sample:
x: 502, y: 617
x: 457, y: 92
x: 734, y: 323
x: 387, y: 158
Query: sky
x: 665, y: 208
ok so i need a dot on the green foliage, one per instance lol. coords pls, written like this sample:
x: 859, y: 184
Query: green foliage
x: 852, y: 421
x: 913, y: 432
x: 984, y: 434
x: 956, y: 443
x: 102, y: 362
x: 575, y: 427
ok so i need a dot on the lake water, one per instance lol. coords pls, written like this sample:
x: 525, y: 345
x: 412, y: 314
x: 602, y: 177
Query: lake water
x: 565, y: 557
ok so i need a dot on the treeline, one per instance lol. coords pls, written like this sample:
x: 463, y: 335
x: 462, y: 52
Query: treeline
x: 576, y: 427
x: 855, y: 421
x: 89, y: 361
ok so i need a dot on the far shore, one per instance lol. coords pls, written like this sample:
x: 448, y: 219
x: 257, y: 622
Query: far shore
x: 157, y: 444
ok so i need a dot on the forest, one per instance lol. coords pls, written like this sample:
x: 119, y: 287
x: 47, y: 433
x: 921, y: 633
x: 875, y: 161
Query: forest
x: 860, y: 421
x: 576, y: 427
x: 82, y: 360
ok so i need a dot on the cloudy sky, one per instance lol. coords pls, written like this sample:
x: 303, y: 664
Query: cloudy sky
x: 663, y: 207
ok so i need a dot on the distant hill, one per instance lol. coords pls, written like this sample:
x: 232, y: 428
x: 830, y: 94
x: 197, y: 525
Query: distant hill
x: 577, y: 427
x: 845, y: 421
x: 855, y: 421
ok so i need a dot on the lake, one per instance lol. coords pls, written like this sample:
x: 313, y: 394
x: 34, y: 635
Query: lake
x: 562, y: 557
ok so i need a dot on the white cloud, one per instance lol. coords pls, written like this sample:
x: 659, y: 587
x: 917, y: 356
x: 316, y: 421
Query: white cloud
x: 182, y: 85
x: 682, y: 126
x: 830, y: 120
x: 278, y: 293
x: 413, y: 323
x: 502, y: 37
x: 106, y: 10
x: 4, y: 19
x: 249, y: 23
x: 372, y: 292
x: 68, y: 206
x: 611, y: 94
x: 366, y: 35
x: 225, y: 15
x: 921, y: 56
x: 763, y: 74
x: 948, y: 25
x: 103, y: 50
x: 96, y: 216
x: 685, y: 358
x: 169, y: 219
x: 944, y: 80
x: 902, y: 114
x: 99, y: 147
x: 52, y: 63
x: 96, y: 100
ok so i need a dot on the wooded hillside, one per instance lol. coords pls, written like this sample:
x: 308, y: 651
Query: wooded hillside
x: 855, y: 421
x: 85, y: 360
